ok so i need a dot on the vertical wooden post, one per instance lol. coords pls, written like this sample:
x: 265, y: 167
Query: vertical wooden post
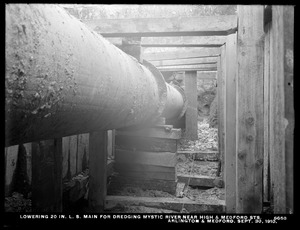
x: 47, y: 175
x: 191, y: 114
x: 266, y: 183
x: 113, y: 143
x: 250, y: 109
x: 281, y: 107
x: 221, y: 101
x: 230, y: 125
x: 97, y: 170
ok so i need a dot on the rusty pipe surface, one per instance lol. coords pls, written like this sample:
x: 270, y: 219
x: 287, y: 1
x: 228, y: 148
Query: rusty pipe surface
x: 62, y: 79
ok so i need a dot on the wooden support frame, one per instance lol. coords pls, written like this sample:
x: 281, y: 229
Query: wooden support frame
x: 161, y: 27
x: 230, y: 125
x: 97, y: 170
x: 249, y: 109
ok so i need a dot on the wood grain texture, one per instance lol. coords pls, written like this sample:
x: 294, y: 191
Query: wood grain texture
x: 230, y: 125
x: 250, y: 109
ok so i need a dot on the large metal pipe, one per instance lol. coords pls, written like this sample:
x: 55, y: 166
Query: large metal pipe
x: 63, y: 79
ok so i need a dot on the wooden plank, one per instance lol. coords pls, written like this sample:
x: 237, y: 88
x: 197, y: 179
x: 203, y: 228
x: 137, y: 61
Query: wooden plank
x: 11, y: 157
x: 281, y: 108
x: 200, y: 155
x: 170, y: 176
x: 146, y: 144
x: 47, y: 176
x: 119, y: 182
x: 176, y: 204
x: 289, y: 113
x: 148, y: 158
x: 221, y: 101
x: 151, y: 27
x: 190, y: 61
x: 201, y: 181
x: 230, y: 125
x: 181, y: 53
x: 266, y: 169
x: 250, y: 109
x: 191, y: 114
x: 188, y: 66
x: 121, y: 167
x: 69, y: 153
x: 82, y: 151
x: 97, y: 170
x: 183, y: 41
x: 158, y: 132
x: 187, y: 69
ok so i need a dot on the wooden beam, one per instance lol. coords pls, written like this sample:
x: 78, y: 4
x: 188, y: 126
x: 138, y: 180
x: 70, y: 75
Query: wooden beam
x: 281, y: 107
x: 221, y: 102
x: 183, y: 41
x: 201, y: 75
x: 191, y: 114
x: 266, y: 170
x: 181, y: 53
x: 146, y: 144
x: 158, y: 27
x: 201, y: 181
x: 199, y: 206
x: 119, y: 182
x: 250, y: 109
x: 190, y: 61
x: 97, y: 170
x: 230, y: 125
x: 47, y: 185
x: 186, y: 67
x: 200, y: 155
x: 166, y: 159
x: 289, y: 113
x: 157, y: 132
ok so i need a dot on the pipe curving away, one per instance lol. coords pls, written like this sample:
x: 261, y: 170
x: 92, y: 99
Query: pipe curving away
x: 62, y: 79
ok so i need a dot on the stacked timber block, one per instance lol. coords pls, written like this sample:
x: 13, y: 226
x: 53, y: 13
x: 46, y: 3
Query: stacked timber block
x: 146, y: 158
